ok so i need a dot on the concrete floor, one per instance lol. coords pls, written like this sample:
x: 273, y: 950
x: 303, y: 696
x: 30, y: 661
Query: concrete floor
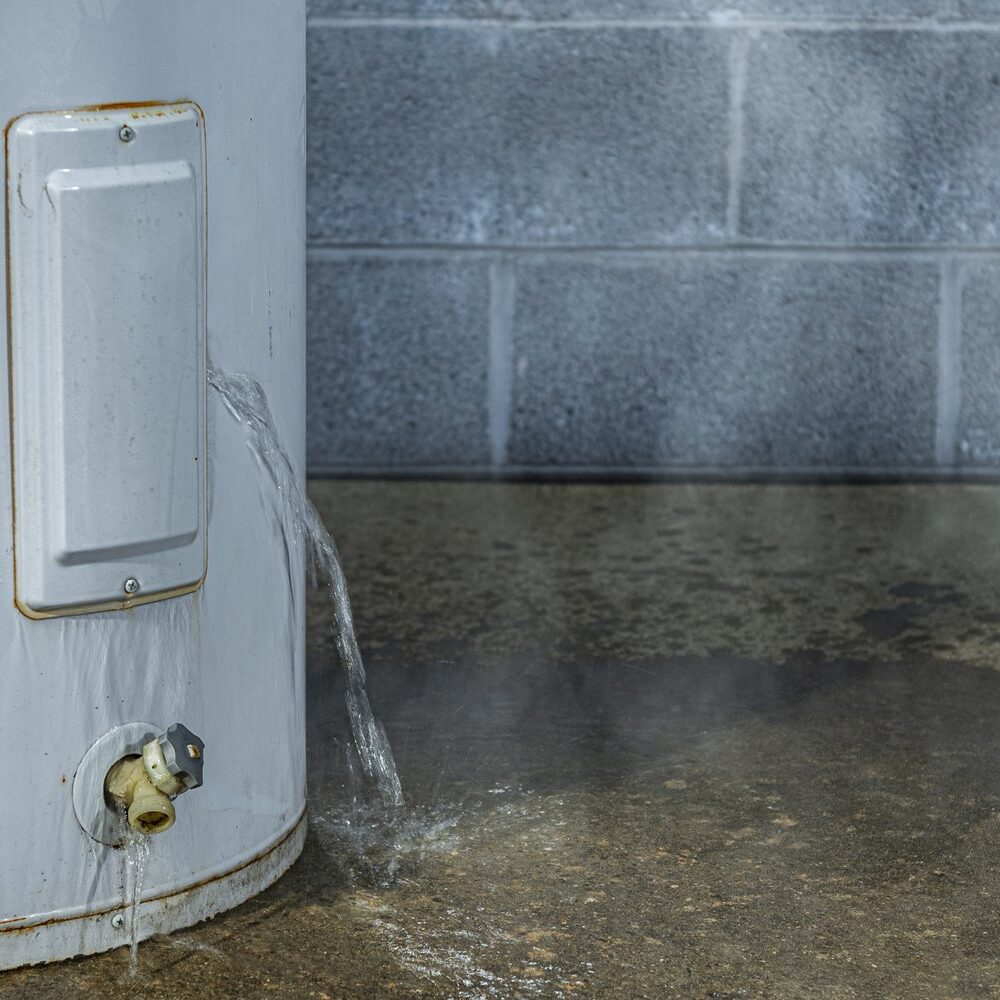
x: 693, y: 741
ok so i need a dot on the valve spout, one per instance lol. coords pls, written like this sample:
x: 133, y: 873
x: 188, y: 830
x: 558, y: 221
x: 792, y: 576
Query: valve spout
x: 145, y: 783
x: 127, y: 785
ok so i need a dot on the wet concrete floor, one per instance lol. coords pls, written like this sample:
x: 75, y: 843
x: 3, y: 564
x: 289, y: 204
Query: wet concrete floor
x: 707, y: 741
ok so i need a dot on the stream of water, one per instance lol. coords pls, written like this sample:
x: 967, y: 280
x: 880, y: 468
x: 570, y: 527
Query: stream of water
x: 303, y: 529
x: 135, y: 860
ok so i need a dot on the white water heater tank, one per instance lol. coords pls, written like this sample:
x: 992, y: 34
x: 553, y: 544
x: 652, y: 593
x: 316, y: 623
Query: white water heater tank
x: 154, y: 211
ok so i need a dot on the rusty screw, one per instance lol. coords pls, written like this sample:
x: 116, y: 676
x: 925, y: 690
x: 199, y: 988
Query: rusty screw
x: 126, y: 133
x: 131, y: 585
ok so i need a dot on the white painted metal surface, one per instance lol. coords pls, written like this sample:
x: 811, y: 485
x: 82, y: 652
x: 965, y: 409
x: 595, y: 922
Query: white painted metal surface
x: 226, y: 659
x: 107, y: 336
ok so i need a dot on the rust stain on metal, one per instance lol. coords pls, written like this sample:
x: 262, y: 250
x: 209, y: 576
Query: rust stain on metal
x: 126, y: 105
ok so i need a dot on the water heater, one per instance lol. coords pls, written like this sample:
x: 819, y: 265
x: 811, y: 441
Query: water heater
x: 154, y: 171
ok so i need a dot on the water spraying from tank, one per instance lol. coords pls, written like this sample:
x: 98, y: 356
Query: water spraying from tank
x: 301, y: 526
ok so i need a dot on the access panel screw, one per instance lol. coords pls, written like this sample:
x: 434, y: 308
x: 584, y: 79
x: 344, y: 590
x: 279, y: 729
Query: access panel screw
x: 126, y: 133
x: 131, y: 585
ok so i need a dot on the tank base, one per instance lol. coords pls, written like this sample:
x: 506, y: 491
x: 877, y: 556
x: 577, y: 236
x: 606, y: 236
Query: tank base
x: 55, y: 938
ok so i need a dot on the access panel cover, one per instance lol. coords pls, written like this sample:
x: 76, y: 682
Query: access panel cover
x: 106, y: 215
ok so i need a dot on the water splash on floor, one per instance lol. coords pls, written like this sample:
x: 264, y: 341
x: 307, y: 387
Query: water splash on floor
x: 374, y: 851
x: 303, y: 530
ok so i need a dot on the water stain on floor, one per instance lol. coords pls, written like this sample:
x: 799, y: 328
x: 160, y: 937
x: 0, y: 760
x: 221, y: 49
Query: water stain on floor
x: 692, y: 741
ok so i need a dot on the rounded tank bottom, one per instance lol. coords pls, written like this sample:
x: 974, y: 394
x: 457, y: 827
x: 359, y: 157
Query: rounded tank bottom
x: 54, y: 937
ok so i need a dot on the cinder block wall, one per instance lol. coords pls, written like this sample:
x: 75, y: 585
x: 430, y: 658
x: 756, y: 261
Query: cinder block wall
x: 654, y: 236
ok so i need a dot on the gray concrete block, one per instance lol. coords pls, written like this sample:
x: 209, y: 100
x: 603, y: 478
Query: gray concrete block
x: 491, y: 135
x: 872, y: 137
x: 401, y: 145
x: 979, y: 386
x: 979, y: 10
x: 414, y: 8
x: 702, y: 10
x: 397, y: 362
x: 725, y: 360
